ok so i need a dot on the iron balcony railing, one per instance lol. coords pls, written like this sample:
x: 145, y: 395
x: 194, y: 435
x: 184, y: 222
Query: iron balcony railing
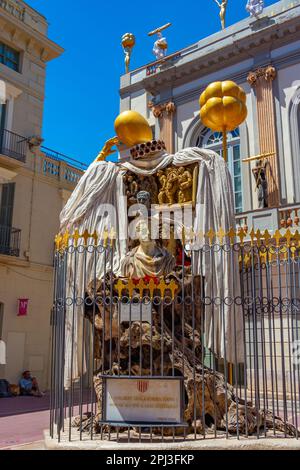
x: 13, y: 145
x: 10, y: 241
x: 60, y: 157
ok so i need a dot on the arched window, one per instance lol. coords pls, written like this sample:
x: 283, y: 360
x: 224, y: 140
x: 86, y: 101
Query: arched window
x: 214, y: 141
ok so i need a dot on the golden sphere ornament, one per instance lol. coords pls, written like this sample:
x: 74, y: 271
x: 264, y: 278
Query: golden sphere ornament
x: 223, y: 108
x: 132, y: 128
x: 128, y: 40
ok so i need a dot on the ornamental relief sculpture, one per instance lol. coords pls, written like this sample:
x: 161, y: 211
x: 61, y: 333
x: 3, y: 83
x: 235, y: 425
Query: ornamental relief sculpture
x: 173, y: 185
x: 268, y: 73
x: 160, y: 109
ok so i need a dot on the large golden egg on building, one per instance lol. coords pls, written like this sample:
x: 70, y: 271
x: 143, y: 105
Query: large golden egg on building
x: 223, y: 106
x: 132, y: 128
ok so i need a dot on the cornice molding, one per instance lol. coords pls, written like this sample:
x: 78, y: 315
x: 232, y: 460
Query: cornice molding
x: 199, y: 62
x: 22, y: 35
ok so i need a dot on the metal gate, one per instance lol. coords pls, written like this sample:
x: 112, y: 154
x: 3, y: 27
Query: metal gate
x: 178, y: 357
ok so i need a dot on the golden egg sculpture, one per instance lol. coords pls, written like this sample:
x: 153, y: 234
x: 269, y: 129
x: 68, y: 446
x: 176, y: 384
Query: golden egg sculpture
x: 223, y: 108
x: 132, y: 128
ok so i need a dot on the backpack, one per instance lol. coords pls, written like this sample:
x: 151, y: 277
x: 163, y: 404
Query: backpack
x: 4, y: 389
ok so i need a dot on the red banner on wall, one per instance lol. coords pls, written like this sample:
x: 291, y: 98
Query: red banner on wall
x: 23, y: 307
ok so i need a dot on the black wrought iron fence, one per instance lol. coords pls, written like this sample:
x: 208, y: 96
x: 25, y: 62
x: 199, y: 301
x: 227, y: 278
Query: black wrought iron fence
x: 187, y: 356
x: 13, y: 145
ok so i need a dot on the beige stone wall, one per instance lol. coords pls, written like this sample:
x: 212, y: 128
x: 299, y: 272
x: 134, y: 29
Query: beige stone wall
x: 40, y: 193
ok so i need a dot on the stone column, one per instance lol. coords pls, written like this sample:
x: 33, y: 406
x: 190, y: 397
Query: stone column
x: 262, y: 81
x: 165, y: 114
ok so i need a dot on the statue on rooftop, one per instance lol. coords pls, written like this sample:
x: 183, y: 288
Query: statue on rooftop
x: 161, y: 45
x: 255, y: 7
x: 223, y: 7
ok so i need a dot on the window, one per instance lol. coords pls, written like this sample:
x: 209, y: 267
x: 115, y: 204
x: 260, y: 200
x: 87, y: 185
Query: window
x: 9, y: 57
x: 214, y: 141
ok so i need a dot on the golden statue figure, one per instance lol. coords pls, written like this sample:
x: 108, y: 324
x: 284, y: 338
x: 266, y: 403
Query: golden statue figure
x: 223, y: 7
x: 172, y: 185
x: 185, y: 180
x: 107, y: 149
x: 128, y: 43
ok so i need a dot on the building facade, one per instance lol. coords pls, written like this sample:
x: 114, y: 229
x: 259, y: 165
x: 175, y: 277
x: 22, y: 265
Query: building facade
x: 35, y: 183
x: 263, y: 56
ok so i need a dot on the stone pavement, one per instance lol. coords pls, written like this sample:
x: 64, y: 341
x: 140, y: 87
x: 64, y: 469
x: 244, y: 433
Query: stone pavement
x: 22, y: 421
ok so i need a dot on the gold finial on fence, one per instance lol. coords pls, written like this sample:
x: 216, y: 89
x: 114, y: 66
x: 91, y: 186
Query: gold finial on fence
x: 231, y: 234
x: 151, y: 288
x: 58, y: 241
x: 85, y: 237
x: 76, y: 237
x: 277, y: 238
x: 221, y: 235
x: 173, y: 286
x: 211, y: 235
x: 120, y: 287
x: 242, y: 235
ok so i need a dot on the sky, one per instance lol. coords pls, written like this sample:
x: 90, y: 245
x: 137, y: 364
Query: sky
x: 82, y: 87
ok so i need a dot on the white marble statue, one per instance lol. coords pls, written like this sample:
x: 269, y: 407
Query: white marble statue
x: 160, y: 47
x: 255, y: 7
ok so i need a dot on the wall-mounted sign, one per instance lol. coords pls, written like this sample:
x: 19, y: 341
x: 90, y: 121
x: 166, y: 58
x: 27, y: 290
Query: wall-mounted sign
x: 153, y: 401
x: 23, y: 307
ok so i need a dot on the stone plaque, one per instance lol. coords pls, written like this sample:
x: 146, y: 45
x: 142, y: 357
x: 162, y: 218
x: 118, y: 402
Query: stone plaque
x: 137, y: 312
x: 143, y: 401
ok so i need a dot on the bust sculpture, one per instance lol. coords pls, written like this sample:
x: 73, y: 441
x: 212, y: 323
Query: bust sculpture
x: 148, y: 258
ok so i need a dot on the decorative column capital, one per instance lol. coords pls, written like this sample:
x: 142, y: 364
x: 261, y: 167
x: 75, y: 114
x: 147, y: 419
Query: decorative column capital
x: 268, y: 73
x: 160, y: 109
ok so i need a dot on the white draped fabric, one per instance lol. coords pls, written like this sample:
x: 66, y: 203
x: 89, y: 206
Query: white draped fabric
x: 101, y: 192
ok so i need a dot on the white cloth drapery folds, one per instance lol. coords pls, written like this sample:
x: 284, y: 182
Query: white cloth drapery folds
x: 102, y: 188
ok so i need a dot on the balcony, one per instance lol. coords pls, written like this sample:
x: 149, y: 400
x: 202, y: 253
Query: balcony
x: 10, y: 241
x: 13, y: 146
x: 271, y: 219
x: 57, y: 166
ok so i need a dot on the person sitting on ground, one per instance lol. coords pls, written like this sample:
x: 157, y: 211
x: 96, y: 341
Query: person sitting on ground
x: 29, y: 385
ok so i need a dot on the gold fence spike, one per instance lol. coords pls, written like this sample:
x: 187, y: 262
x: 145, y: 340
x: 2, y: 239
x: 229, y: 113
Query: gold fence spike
x: 58, y: 240
x: 173, y: 286
x: 130, y: 287
x: 105, y: 237
x: 297, y: 238
x: 242, y: 235
x: 120, y: 287
x: 252, y: 236
x: 221, y: 235
x: 288, y: 236
x: 76, y: 237
x: 152, y: 288
x: 95, y: 238
x: 258, y: 236
x: 141, y: 286
x: 211, y: 236
x: 162, y: 286
x: 232, y: 234
x: 277, y: 237
x: 267, y: 237
x: 85, y: 237
x: 65, y: 239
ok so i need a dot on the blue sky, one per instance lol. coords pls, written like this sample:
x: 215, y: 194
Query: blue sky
x: 82, y: 98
